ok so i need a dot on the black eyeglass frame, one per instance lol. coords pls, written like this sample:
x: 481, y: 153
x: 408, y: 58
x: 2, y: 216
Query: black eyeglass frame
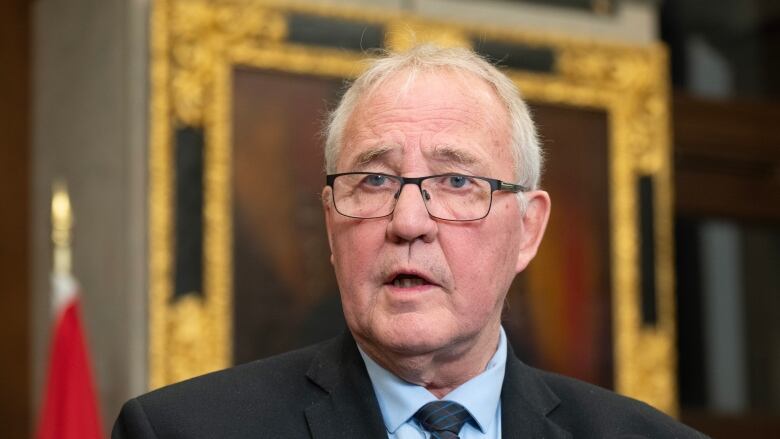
x: 495, y: 185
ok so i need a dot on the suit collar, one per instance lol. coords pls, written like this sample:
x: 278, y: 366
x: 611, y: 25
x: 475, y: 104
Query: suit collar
x: 525, y: 403
x: 350, y: 409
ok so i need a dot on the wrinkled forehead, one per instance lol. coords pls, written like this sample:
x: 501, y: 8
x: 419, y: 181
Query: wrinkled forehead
x: 441, y: 82
x: 453, y: 102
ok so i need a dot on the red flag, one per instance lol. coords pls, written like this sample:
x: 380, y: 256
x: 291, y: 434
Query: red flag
x: 70, y: 409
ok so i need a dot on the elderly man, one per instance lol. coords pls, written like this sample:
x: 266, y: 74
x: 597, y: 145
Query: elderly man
x: 432, y: 207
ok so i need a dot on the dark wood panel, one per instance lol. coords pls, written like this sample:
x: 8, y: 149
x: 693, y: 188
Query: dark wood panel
x: 14, y: 221
x: 727, y: 165
x: 723, y: 195
x: 727, y: 158
x: 738, y: 129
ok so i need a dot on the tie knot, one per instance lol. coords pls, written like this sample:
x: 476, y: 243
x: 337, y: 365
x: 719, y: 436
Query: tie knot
x: 443, y: 419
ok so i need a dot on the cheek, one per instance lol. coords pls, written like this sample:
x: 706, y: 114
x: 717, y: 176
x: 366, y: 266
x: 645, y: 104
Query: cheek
x: 355, y: 247
x: 482, y: 263
x: 480, y: 253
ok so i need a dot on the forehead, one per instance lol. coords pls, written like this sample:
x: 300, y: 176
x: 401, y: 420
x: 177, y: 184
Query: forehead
x: 440, y: 112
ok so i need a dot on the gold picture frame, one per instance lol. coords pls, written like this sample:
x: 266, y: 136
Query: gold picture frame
x: 196, y: 43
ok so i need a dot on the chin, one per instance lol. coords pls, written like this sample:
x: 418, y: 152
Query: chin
x: 412, y: 336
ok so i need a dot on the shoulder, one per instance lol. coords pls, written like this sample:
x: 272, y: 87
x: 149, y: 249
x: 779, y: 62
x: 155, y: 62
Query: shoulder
x: 283, y: 372
x: 601, y: 413
x: 256, y: 395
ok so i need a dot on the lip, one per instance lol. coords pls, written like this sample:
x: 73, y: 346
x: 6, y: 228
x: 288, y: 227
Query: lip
x: 429, y: 283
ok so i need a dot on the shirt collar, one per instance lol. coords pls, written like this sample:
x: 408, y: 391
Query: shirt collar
x: 399, y: 400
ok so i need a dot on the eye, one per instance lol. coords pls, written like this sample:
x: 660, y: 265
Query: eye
x: 376, y: 180
x: 457, y: 181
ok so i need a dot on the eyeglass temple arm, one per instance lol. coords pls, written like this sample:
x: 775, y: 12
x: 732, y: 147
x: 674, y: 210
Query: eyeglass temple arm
x: 510, y: 187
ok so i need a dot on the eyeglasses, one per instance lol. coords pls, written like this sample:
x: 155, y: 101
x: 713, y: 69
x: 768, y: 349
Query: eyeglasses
x: 449, y: 197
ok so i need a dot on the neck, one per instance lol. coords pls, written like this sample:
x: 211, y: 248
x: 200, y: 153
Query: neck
x: 440, y: 371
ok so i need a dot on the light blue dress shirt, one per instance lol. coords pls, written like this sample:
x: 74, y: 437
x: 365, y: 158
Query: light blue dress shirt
x: 481, y: 396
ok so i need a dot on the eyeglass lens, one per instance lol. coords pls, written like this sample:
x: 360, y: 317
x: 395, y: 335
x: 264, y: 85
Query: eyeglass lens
x: 448, y: 197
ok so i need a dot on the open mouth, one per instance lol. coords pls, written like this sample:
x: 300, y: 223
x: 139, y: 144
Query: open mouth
x: 403, y: 280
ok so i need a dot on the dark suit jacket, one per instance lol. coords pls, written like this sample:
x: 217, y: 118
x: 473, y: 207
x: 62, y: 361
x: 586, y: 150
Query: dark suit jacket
x: 324, y: 392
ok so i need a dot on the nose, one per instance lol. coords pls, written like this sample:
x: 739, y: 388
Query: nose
x: 410, y: 219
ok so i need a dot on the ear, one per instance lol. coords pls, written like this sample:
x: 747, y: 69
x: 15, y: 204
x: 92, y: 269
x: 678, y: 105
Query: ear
x: 327, y: 208
x: 534, y: 223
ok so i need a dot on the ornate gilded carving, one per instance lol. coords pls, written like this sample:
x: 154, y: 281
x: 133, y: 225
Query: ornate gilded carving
x: 160, y: 205
x: 203, y: 33
x: 195, y: 43
x: 406, y: 31
x: 187, y: 347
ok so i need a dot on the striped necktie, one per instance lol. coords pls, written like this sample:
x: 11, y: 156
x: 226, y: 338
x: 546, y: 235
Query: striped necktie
x: 443, y: 419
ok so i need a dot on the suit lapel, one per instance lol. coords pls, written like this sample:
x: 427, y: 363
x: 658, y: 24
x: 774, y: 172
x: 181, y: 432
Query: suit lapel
x: 525, y: 402
x: 350, y: 410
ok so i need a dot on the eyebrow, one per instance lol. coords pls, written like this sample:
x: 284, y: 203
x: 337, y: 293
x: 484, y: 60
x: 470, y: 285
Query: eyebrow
x: 451, y: 154
x: 370, y: 156
x: 443, y: 153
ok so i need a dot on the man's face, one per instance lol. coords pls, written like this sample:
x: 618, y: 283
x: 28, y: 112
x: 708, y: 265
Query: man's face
x: 409, y: 283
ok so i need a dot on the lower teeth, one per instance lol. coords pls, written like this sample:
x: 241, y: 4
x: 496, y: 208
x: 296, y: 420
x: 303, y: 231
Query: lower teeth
x: 407, y: 283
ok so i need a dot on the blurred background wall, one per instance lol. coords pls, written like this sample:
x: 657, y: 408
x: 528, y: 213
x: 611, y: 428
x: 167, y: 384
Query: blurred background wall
x: 73, y: 105
x: 15, y: 152
x: 725, y: 61
x: 88, y: 123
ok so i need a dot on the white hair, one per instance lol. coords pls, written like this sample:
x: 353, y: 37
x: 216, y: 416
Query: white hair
x: 525, y: 148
